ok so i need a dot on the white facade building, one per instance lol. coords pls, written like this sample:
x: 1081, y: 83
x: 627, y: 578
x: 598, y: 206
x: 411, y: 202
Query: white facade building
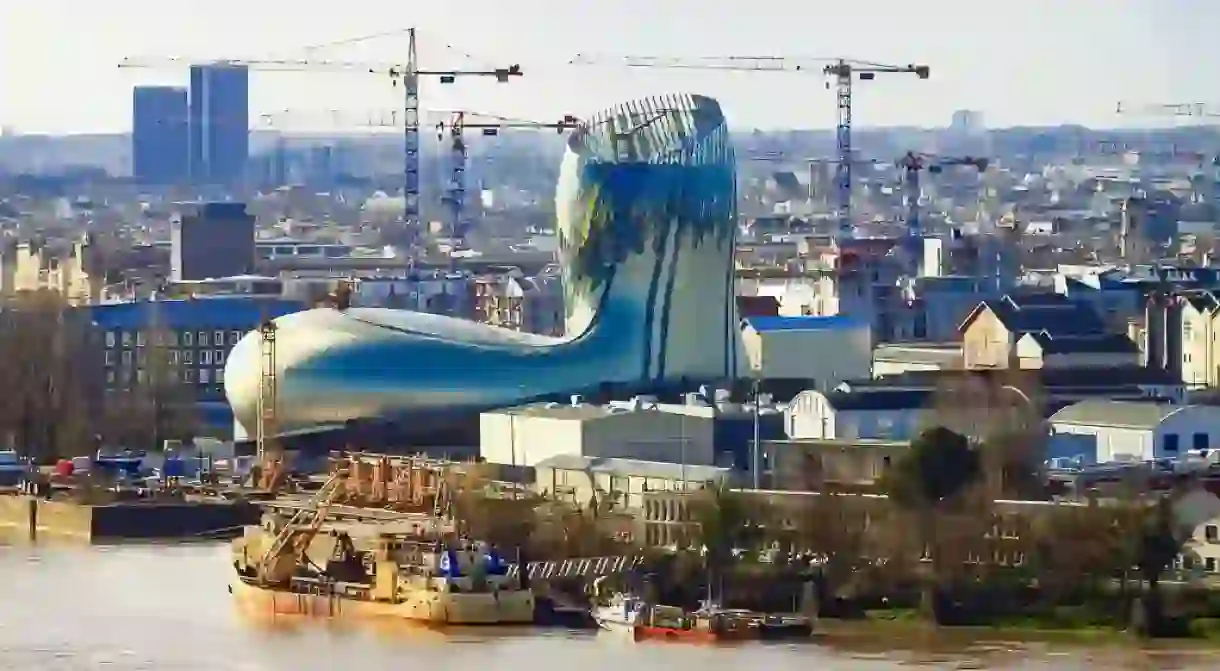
x: 527, y: 435
x: 1110, y: 431
x: 891, y: 414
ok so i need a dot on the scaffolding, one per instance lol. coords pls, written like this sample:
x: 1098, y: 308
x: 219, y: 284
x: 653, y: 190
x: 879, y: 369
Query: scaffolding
x: 267, y: 402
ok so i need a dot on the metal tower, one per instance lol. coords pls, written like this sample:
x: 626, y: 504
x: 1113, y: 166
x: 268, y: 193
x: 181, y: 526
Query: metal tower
x: 841, y: 69
x: 267, y: 387
x: 489, y: 125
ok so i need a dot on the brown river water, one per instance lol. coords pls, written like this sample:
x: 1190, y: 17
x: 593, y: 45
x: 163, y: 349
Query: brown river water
x: 167, y: 608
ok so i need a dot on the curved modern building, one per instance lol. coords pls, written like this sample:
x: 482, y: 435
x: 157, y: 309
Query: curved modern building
x: 646, y: 203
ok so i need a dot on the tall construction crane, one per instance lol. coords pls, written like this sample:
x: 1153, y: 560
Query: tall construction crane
x: 1169, y: 109
x: 489, y: 125
x: 843, y: 70
x: 407, y: 74
x: 913, y: 163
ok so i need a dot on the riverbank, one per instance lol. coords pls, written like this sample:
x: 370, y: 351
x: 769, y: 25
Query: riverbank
x: 903, y: 623
x: 32, y: 517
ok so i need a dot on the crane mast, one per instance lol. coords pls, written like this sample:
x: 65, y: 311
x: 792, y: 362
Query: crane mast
x: 914, y: 163
x: 843, y: 70
x: 489, y: 125
x: 409, y: 74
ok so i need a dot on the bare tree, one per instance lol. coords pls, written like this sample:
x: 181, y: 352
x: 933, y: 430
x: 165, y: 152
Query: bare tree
x: 46, y: 370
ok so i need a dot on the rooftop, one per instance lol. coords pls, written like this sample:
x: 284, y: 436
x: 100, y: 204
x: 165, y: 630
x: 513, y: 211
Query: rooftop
x: 636, y: 467
x: 227, y: 312
x: 1116, y: 414
x: 761, y: 324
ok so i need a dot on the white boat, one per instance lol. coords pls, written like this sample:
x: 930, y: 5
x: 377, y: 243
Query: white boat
x: 620, y: 614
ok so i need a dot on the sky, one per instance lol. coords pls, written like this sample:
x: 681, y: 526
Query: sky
x: 1021, y: 62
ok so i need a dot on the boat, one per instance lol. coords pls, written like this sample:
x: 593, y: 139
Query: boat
x: 620, y: 615
x: 629, y: 615
x: 424, y: 575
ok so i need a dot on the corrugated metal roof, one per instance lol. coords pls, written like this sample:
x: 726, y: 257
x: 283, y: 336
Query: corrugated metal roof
x: 801, y: 323
x: 635, y: 467
x: 1116, y: 414
x: 241, y: 312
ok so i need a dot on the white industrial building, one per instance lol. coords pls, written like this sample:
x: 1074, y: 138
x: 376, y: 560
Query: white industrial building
x: 528, y: 435
x: 823, y: 350
x: 1109, y: 431
x: 624, y: 481
x: 875, y: 414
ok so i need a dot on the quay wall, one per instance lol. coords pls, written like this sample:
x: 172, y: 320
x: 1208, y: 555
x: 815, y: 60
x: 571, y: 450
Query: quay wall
x: 32, y: 517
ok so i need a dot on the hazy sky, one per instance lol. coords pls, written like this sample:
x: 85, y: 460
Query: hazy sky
x: 1019, y: 61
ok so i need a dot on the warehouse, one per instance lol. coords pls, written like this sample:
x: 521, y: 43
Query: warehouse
x: 822, y: 351
x: 1108, y: 431
x: 527, y: 435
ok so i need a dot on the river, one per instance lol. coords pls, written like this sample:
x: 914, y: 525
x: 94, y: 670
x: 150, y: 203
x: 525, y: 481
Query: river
x: 167, y: 608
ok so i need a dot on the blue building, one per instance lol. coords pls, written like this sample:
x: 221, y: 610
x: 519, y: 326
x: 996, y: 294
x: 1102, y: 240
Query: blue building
x: 159, y: 135
x: 219, y: 122
x: 181, y: 344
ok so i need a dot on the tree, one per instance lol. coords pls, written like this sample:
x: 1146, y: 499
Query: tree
x: 834, y: 528
x: 939, y: 467
x: 155, y: 403
x: 1076, y: 548
x: 46, y: 371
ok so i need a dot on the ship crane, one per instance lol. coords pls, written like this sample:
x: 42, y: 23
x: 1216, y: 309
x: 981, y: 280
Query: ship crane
x: 489, y: 125
x: 407, y: 74
x: 914, y: 163
x: 844, y: 72
x: 280, y: 559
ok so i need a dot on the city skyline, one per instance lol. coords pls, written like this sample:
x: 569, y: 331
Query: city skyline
x: 1037, y: 63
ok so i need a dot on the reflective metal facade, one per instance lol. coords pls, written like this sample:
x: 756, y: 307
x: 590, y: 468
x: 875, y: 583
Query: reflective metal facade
x: 646, y: 210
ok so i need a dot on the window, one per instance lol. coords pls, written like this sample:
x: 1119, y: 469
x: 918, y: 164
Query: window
x: 1209, y: 564
x: 188, y: 338
x: 109, y: 358
x: 205, y: 357
x: 171, y: 338
x: 1170, y: 444
x: 110, y: 377
x: 126, y: 338
x: 219, y: 376
x: 234, y: 336
x: 173, y: 357
x: 202, y: 339
x: 218, y: 356
x: 188, y: 375
x: 205, y: 375
x: 110, y: 338
x: 188, y: 356
x: 126, y: 358
x: 1212, y: 533
x: 172, y: 374
x: 1199, y: 441
x: 141, y: 376
x: 140, y: 340
x: 218, y: 338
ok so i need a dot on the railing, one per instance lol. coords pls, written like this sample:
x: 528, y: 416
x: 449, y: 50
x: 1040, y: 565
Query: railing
x: 585, y: 567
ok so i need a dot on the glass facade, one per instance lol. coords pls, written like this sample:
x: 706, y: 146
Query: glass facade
x: 159, y: 138
x: 219, y: 122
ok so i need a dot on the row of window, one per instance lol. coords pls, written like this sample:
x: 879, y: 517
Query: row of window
x: 185, y: 376
x: 172, y: 338
x: 207, y: 357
